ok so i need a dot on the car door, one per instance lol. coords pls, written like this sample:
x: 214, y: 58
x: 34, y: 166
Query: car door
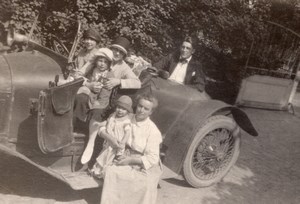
x: 55, y: 116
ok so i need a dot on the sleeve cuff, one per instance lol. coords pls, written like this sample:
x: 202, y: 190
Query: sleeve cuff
x: 146, y: 163
x: 130, y: 83
x: 122, y: 83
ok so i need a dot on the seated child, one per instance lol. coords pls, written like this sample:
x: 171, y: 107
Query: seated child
x: 97, y: 93
x: 118, y: 127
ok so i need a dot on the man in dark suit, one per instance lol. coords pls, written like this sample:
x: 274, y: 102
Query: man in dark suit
x: 182, y: 67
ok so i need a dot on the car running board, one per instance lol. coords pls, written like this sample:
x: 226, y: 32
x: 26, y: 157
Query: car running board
x: 81, y: 180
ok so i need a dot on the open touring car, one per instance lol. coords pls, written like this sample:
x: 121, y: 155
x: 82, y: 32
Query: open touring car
x: 201, y: 135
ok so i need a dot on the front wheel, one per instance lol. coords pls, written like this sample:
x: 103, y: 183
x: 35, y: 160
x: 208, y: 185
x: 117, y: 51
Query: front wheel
x: 213, y: 151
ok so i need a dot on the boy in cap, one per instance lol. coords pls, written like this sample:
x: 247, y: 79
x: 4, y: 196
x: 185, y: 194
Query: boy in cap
x: 118, y: 127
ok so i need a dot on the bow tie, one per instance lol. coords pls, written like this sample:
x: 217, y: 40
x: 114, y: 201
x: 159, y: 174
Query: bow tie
x: 183, y: 61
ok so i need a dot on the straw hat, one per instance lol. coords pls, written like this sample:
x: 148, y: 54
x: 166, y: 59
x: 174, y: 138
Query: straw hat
x: 105, y: 52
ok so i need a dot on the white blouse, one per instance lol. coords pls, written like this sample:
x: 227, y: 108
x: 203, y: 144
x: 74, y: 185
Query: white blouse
x: 145, y: 138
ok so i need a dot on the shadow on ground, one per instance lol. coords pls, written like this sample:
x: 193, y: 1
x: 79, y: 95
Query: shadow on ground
x: 267, y: 171
x: 177, y: 182
x: 22, y: 179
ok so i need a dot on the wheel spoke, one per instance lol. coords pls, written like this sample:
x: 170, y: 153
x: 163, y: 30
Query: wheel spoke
x: 213, y: 153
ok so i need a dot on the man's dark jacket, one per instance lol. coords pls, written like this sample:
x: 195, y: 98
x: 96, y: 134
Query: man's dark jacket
x: 194, y: 74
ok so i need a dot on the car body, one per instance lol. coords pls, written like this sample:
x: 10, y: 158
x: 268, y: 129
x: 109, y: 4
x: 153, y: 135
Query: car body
x: 37, y: 119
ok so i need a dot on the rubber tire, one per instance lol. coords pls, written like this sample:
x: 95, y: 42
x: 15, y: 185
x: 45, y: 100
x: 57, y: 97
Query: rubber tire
x: 214, y: 122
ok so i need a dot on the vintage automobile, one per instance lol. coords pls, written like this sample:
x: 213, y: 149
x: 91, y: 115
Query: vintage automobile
x: 201, y: 136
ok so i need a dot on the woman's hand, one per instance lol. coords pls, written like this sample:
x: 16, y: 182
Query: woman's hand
x: 114, y: 143
x: 121, y: 145
x: 129, y: 161
x: 112, y: 82
x: 96, y: 87
x: 119, y: 158
x: 124, y: 161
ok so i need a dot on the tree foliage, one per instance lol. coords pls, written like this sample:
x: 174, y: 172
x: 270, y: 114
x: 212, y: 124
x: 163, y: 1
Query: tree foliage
x: 224, y: 28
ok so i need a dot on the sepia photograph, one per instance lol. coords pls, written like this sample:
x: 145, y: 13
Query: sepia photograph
x: 149, y: 102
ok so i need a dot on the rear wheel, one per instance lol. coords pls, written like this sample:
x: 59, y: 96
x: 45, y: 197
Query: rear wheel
x: 213, y: 151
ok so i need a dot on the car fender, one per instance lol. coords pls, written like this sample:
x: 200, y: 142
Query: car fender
x: 181, y: 134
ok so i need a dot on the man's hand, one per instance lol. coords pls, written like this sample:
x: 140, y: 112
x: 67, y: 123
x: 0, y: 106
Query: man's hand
x: 112, y: 82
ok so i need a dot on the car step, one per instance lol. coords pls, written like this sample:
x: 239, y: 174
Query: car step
x: 81, y: 180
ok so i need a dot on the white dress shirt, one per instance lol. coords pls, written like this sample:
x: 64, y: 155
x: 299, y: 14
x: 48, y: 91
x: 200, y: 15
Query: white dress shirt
x: 179, y: 72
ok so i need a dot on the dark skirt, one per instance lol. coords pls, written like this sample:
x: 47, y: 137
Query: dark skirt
x: 83, y: 112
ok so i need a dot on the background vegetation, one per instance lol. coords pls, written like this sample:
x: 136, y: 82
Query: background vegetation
x: 224, y: 28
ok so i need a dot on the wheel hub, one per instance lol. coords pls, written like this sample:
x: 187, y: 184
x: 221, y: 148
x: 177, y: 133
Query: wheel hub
x: 213, y: 153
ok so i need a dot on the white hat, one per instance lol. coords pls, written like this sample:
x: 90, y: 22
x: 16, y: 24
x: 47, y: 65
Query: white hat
x: 105, y: 52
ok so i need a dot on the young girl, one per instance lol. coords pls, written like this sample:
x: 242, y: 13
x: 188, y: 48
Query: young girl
x: 98, y: 94
x: 118, y: 128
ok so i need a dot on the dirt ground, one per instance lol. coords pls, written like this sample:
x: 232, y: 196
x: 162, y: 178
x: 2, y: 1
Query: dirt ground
x: 267, y: 172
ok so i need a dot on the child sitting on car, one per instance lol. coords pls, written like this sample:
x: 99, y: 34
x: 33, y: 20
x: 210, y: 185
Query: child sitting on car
x: 98, y: 95
x: 118, y: 127
x: 94, y: 81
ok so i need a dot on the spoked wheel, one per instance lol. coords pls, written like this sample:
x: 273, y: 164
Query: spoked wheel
x: 213, y: 151
x: 59, y: 46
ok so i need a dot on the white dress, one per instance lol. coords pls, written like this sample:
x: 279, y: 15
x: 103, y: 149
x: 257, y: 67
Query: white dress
x: 130, y: 185
x: 116, y: 127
